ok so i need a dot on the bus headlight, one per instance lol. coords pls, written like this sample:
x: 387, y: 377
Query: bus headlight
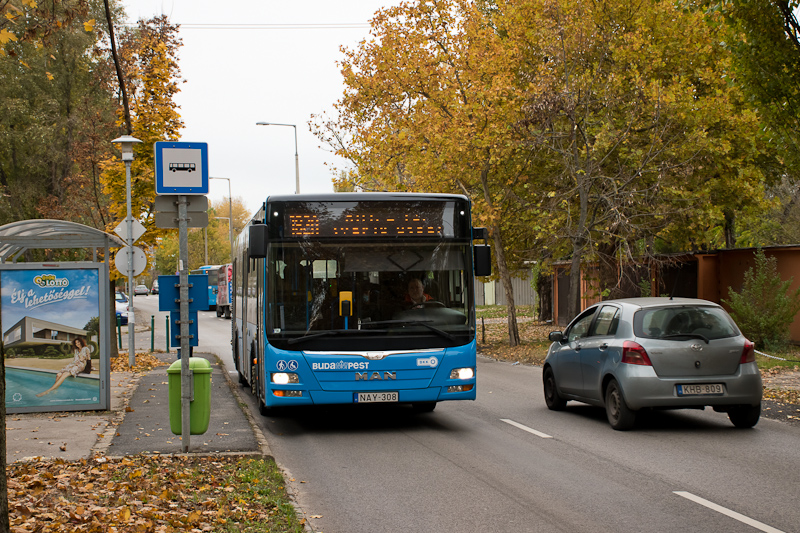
x: 462, y: 373
x: 284, y: 378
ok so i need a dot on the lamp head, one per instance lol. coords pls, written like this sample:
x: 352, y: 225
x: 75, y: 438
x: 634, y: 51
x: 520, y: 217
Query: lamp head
x: 126, y: 146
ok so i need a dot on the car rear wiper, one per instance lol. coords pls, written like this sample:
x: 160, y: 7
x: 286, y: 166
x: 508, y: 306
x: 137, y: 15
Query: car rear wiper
x: 690, y: 335
x: 424, y: 323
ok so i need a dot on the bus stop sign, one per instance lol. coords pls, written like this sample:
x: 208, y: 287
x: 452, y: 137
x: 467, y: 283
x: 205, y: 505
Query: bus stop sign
x: 181, y: 168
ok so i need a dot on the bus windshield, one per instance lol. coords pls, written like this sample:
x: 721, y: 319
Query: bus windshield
x: 409, y: 294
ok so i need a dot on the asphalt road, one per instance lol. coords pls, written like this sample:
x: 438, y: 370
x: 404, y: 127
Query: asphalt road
x: 506, y: 463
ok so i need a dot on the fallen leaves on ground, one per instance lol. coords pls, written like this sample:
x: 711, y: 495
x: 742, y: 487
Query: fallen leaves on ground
x: 493, y: 341
x: 161, y: 494
x: 143, y: 362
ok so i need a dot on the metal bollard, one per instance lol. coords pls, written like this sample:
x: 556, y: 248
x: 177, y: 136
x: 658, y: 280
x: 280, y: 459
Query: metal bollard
x: 152, y: 333
x: 119, y: 332
x: 166, y: 319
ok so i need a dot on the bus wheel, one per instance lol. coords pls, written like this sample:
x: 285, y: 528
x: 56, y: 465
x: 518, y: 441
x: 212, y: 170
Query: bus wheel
x: 423, y: 407
x: 263, y: 409
x: 219, y: 312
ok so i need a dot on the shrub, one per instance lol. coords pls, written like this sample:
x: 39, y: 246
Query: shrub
x: 764, y: 309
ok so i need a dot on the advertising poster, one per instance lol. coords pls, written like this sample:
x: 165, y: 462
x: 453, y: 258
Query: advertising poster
x: 50, y: 325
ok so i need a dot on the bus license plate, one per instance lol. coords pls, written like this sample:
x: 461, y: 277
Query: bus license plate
x: 375, y: 397
x: 701, y: 390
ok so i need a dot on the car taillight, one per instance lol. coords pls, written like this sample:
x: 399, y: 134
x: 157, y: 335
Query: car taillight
x: 634, y: 353
x: 749, y: 352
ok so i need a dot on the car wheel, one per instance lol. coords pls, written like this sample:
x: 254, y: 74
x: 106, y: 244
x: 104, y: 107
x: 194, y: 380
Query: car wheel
x: 552, y: 398
x: 745, y: 416
x: 620, y: 416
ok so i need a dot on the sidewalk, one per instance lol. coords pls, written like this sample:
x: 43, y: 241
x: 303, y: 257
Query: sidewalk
x: 138, y: 422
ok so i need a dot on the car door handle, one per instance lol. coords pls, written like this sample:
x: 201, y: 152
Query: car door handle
x: 577, y: 347
x: 604, y: 346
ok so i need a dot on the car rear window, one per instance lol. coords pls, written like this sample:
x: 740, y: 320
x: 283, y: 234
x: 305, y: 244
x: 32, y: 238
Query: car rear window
x: 674, y: 321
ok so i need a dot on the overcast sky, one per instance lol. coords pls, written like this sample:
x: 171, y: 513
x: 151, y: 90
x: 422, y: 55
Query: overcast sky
x: 248, y: 61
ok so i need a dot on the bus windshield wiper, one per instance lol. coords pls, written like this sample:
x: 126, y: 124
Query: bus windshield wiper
x: 328, y: 333
x: 314, y: 336
x: 424, y: 323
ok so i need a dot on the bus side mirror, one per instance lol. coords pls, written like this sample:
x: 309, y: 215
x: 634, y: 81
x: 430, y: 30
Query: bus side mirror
x: 257, y: 245
x: 483, y: 259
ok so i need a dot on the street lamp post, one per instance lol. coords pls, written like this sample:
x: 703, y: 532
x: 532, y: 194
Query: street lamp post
x: 230, y: 212
x: 296, y: 160
x: 126, y: 147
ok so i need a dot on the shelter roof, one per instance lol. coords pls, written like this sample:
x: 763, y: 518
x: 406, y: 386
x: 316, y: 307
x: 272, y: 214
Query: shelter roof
x: 17, y: 237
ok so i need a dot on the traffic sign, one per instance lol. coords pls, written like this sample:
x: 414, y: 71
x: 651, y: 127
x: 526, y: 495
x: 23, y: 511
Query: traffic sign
x: 169, y: 298
x: 181, y: 168
x: 168, y: 203
x: 139, y: 260
x: 122, y: 230
x: 174, y: 319
x: 170, y: 220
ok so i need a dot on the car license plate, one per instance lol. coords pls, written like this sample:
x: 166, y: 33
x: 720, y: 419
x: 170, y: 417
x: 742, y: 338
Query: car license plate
x: 375, y: 397
x: 701, y: 389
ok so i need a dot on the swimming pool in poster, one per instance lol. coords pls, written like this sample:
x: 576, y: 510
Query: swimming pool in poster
x: 23, y: 384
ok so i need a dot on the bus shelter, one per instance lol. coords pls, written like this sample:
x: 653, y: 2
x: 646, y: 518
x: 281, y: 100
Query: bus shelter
x: 55, y: 318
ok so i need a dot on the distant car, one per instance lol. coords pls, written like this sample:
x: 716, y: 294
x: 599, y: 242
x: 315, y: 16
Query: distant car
x: 141, y: 289
x: 154, y: 288
x: 121, y: 304
x: 659, y: 353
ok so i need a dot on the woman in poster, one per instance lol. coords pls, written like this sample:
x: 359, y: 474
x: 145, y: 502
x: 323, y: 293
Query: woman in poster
x: 81, y: 364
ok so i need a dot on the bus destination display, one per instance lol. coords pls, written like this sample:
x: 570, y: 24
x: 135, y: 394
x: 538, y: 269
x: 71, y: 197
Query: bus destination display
x: 329, y: 220
x: 364, y: 226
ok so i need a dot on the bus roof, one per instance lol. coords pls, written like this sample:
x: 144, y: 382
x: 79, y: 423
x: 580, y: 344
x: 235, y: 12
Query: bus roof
x: 364, y: 197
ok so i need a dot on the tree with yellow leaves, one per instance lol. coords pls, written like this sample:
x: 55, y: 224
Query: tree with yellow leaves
x: 149, y: 60
x: 587, y: 128
x: 431, y: 104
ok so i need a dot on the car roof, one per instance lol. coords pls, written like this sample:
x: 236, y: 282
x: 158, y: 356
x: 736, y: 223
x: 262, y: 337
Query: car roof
x: 660, y: 302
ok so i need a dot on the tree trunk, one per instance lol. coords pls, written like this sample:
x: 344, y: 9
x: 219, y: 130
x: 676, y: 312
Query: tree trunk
x: 505, y: 278
x: 574, y: 302
x: 125, y: 106
x: 730, y: 229
x: 544, y: 290
x: 4, y: 519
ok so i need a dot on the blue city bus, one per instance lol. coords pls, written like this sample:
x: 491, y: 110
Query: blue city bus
x: 210, y: 271
x: 321, y: 313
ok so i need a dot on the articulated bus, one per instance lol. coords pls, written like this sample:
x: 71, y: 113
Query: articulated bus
x: 321, y: 312
x: 210, y: 271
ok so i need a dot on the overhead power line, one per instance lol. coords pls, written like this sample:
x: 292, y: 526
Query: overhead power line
x: 301, y: 26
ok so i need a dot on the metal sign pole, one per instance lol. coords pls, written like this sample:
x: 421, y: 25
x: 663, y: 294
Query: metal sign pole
x: 186, y: 378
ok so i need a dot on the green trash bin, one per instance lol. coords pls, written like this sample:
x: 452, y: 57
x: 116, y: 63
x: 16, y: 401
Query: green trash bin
x: 200, y: 407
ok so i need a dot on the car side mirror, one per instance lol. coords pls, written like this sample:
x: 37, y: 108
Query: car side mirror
x: 556, y: 336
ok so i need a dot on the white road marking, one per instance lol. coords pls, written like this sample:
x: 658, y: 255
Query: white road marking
x: 526, y: 428
x: 727, y: 512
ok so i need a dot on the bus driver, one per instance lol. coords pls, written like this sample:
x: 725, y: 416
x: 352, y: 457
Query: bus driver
x: 416, y: 295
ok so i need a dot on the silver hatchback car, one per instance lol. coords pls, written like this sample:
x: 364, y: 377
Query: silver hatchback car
x: 661, y: 353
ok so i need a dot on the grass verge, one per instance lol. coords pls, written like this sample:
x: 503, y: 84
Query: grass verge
x: 162, y: 494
